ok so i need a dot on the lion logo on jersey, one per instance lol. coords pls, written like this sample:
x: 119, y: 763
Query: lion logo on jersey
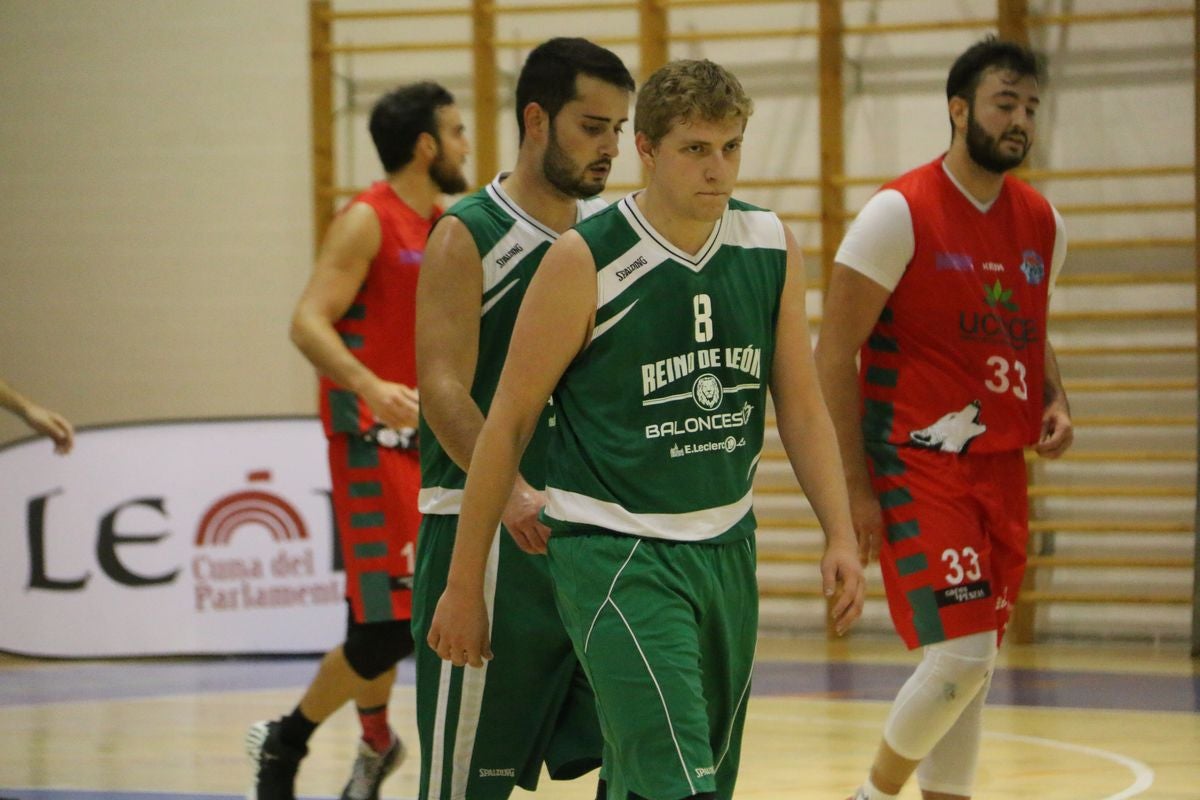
x: 707, y: 391
x: 953, y: 432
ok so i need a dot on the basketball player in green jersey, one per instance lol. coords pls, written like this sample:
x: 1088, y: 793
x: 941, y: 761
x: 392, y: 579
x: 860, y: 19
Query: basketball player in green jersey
x: 659, y: 324
x: 485, y: 731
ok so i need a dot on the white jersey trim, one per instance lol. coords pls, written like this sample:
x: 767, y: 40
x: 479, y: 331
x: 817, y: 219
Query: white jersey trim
x: 438, y: 500
x: 500, y: 197
x: 648, y: 233
x: 604, y: 327
x: 625, y: 270
x: 755, y: 228
x: 688, y: 526
x: 491, y: 303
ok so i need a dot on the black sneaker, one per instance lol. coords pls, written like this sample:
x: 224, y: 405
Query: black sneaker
x: 275, y: 763
x: 370, y: 768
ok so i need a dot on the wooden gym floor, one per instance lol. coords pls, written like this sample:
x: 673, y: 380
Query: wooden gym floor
x: 1064, y: 722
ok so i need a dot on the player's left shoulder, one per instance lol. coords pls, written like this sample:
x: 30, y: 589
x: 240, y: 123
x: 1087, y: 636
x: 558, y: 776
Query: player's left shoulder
x: 753, y: 226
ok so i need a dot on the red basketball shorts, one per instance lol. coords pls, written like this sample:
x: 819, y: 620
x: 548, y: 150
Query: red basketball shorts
x: 375, y: 504
x: 955, y: 535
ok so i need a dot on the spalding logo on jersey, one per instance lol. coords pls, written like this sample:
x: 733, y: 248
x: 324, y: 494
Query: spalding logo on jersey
x: 953, y: 432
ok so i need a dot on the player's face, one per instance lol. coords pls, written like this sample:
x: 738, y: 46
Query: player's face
x: 583, y: 138
x: 1001, y: 120
x: 695, y: 166
x: 447, y: 169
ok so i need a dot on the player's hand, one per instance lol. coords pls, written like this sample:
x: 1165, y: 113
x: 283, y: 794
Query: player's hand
x: 393, y: 404
x: 867, y: 516
x: 520, y: 518
x: 53, y: 425
x: 459, y: 630
x: 843, y: 582
x: 1057, y: 432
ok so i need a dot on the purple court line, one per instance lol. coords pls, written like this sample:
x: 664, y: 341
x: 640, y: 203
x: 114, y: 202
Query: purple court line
x: 113, y: 680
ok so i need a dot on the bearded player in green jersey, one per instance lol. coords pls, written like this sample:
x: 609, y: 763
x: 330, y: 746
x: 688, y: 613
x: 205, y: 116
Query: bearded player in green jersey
x: 485, y: 731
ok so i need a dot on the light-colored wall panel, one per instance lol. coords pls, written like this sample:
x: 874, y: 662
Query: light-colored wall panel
x: 156, y: 229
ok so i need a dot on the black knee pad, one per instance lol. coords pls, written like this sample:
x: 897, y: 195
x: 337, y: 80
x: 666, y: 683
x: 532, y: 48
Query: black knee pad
x: 372, y: 648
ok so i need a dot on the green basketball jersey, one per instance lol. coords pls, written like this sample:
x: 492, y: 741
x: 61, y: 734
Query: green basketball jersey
x: 660, y: 418
x: 511, y: 245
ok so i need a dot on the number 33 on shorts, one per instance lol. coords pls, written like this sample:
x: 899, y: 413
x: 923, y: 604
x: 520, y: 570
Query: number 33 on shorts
x: 961, y: 565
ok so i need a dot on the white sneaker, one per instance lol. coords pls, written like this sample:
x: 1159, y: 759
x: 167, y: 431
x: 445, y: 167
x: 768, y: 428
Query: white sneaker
x: 370, y: 768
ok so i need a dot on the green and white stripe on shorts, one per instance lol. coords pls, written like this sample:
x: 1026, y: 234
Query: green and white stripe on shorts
x: 484, y: 731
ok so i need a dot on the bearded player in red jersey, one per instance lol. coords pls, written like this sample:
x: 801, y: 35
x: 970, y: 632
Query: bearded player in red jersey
x: 356, y: 323
x: 940, y: 287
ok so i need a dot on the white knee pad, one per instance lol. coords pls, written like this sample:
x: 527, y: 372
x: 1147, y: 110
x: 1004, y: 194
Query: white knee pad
x: 948, y: 678
x: 950, y: 766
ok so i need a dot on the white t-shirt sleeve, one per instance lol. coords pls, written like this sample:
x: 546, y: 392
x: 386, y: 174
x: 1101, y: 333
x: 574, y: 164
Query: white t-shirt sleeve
x: 880, y: 241
x: 1060, y: 249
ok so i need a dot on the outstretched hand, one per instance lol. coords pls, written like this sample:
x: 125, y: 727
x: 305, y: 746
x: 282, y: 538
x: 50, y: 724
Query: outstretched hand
x: 53, y: 425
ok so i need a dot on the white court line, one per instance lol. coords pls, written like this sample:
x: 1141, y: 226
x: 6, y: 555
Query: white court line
x: 1143, y: 774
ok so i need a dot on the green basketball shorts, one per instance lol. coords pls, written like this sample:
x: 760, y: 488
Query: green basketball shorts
x: 484, y: 731
x: 666, y: 632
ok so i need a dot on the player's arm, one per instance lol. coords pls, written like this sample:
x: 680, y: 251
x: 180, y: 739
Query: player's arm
x: 42, y: 420
x: 449, y: 303
x: 1057, y: 431
x: 341, y: 267
x: 853, y: 303
x: 449, y: 300
x: 811, y: 444
x: 552, y: 327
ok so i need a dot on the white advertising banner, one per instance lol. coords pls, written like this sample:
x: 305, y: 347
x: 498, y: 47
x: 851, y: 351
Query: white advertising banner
x: 205, y: 537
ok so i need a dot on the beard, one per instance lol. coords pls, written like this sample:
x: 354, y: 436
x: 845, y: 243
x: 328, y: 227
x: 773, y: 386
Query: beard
x: 984, y: 148
x: 566, y: 176
x: 448, y: 178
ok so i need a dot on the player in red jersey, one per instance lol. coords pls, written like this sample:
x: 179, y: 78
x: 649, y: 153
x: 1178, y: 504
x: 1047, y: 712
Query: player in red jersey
x: 355, y: 322
x: 940, y: 287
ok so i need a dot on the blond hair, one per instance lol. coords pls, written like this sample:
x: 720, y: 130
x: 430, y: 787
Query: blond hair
x: 686, y: 91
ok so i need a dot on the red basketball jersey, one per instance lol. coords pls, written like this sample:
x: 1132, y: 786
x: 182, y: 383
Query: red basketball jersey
x: 379, y: 328
x: 956, y: 358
